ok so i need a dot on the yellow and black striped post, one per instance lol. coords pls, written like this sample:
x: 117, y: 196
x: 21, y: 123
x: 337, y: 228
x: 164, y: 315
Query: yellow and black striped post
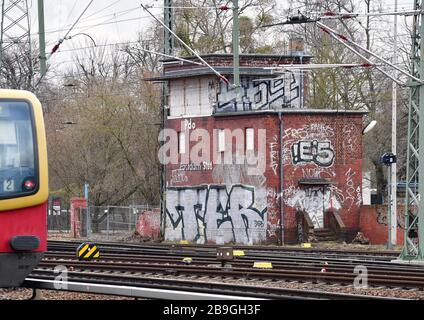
x: 88, y: 251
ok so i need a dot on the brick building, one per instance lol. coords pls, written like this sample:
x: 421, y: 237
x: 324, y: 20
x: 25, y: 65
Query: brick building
x: 258, y: 166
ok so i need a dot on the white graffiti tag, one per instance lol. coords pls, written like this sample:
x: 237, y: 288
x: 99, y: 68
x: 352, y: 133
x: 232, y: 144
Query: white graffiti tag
x: 216, y: 213
x: 353, y: 195
x: 273, y: 154
x: 319, y: 152
x: 315, y: 201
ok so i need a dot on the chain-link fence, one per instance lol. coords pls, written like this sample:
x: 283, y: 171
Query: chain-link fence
x: 111, y: 222
x: 59, y: 221
x: 106, y: 223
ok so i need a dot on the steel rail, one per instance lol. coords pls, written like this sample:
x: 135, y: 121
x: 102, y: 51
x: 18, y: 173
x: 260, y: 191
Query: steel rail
x: 384, y: 279
x: 129, y: 246
x: 242, y: 262
x: 193, y: 286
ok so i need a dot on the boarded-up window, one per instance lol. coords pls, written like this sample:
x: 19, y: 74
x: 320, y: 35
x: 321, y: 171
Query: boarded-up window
x: 190, y: 97
x: 181, y: 142
x: 250, y: 139
x: 221, y: 140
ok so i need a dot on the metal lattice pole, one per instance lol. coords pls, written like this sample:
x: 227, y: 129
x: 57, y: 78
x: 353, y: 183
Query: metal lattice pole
x: 168, y: 49
x: 15, y: 30
x: 414, y: 210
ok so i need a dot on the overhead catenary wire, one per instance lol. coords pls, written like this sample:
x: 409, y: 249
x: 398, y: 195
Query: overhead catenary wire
x: 333, y: 35
x: 170, y: 56
x: 56, y: 47
x: 346, y: 39
x: 348, y: 15
x: 187, y: 46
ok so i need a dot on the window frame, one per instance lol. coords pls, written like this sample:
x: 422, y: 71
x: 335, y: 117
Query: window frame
x: 221, y: 140
x: 181, y: 146
x: 22, y: 194
x: 252, y: 142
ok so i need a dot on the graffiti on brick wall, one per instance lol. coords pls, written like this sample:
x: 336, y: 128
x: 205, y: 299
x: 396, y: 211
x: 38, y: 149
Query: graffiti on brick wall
x: 178, y: 176
x: 351, y: 132
x: 259, y: 95
x: 231, y: 174
x: 216, y: 213
x: 382, y: 216
x: 274, y: 154
x: 148, y: 225
x: 319, y: 152
x: 353, y: 193
x: 308, y: 144
x: 317, y: 172
x: 315, y: 201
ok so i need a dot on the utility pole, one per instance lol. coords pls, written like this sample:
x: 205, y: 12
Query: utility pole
x: 168, y: 49
x: 414, y: 202
x: 42, y: 38
x: 236, y: 49
x: 392, y: 206
x: 168, y: 20
x: 1, y: 34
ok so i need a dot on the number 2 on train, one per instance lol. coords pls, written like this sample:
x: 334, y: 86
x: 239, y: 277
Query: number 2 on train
x: 9, y: 185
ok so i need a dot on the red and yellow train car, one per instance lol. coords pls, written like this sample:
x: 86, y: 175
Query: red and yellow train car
x: 23, y: 186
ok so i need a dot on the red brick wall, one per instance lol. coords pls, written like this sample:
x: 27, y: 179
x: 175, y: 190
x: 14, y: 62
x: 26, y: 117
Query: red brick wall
x: 245, y: 61
x: 373, y: 223
x: 344, y: 132
x: 76, y: 205
x: 148, y: 225
x: 345, y: 171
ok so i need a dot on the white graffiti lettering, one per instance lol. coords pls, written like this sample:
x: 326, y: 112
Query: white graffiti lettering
x: 273, y: 154
x: 352, y: 194
x: 178, y: 176
x: 206, y: 213
x: 315, y: 201
x: 319, y: 152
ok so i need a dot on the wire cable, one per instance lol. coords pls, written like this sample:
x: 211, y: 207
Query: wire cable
x: 56, y: 47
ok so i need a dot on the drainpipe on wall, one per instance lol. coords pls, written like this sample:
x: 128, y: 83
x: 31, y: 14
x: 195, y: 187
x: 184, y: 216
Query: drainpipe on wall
x: 281, y: 181
x: 301, y: 84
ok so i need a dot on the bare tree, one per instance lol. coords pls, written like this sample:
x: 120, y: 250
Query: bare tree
x: 104, y: 133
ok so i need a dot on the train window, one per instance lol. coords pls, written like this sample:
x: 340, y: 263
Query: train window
x: 17, y: 156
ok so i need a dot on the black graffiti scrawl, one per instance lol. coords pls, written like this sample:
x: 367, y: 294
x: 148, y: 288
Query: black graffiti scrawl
x: 319, y: 152
x: 210, y: 210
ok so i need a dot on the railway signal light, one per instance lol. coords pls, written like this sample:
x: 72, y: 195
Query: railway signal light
x: 388, y: 159
x: 224, y: 254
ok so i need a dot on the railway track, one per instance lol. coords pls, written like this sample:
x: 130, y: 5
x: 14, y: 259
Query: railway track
x: 196, y: 285
x: 343, y: 274
x: 137, y: 265
x: 267, y: 250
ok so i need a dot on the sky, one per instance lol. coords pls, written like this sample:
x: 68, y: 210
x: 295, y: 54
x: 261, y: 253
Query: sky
x: 111, y: 21
x: 108, y: 21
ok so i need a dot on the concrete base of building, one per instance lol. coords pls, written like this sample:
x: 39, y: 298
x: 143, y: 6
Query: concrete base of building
x: 15, y: 267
